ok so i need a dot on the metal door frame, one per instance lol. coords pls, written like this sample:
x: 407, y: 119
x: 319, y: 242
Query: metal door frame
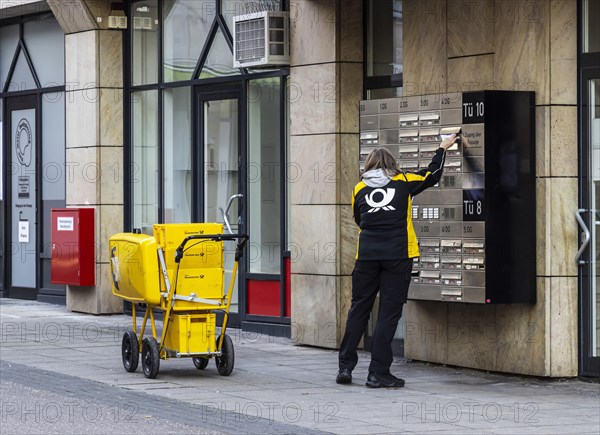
x: 202, y: 94
x: 22, y: 102
x: 588, y: 365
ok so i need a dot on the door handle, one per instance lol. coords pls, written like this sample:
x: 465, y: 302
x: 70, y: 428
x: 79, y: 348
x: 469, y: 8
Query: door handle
x: 587, y: 236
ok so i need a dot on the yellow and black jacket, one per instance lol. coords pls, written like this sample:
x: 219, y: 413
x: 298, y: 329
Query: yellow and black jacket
x: 382, y: 208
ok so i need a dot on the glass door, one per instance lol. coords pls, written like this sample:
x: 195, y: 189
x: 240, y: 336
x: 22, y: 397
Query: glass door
x: 21, y: 131
x: 218, y: 150
x: 589, y: 219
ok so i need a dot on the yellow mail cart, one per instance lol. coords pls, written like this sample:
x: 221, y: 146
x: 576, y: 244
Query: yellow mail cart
x: 179, y: 271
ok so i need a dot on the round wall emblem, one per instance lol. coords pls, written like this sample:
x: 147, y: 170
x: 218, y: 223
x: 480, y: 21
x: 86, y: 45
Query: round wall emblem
x: 23, y: 144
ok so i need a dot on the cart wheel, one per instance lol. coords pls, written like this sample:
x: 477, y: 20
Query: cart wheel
x: 227, y: 358
x: 200, y: 363
x: 130, y: 351
x: 150, y: 357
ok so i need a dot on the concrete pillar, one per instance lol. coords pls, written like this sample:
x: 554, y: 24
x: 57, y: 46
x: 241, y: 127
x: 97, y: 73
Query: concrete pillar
x: 324, y: 91
x: 94, y: 136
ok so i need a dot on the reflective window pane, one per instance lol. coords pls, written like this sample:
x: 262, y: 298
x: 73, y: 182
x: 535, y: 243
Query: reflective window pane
x: 45, y: 43
x: 221, y: 157
x: 384, y: 38
x: 22, y: 78
x: 220, y: 59
x: 264, y: 181
x: 187, y: 23
x: 9, y: 38
x: 144, y: 48
x: 221, y: 172
x: 53, y: 147
x: 231, y: 8
x: 594, y: 135
x: 590, y: 28
x: 177, y: 158
x: 144, y: 168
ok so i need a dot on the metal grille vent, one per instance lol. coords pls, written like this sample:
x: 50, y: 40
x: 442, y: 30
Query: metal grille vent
x: 250, y: 37
x: 261, y: 39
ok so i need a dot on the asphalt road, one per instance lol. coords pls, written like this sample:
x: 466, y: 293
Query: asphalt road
x: 34, y: 401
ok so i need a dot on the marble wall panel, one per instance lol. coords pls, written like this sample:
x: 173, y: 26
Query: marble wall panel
x: 313, y: 169
x: 74, y: 15
x: 542, y: 141
x: 563, y: 52
x: 563, y: 141
x: 424, y: 49
x: 522, y: 52
x: 110, y: 116
x: 83, y: 300
x: 345, y: 301
x: 348, y: 239
x: 472, y: 336
x: 563, y: 86
x: 313, y: 35
x: 82, y: 176
x: 313, y: 95
x: 314, y: 235
x: 425, y: 331
x: 81, y: 108
x: 522, y: 332
x: 315, y: 304
x: 351, y: 31
x: 110, y: 58
x: 99, y: 11
x: 108, y: 302
x: 563, y: 29
x: 470, y: 27
x: 542, y: 227
x: 471, y: 73
x: 349, y: 96
x: 562, y: 336
x: 110, y: 175
x: 563, y: 232
x: 349, y: 171
x: 81, y: 62
x: 109, y: 221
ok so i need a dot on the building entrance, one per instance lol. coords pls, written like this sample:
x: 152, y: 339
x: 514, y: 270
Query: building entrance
x: 218, y: 149
x: 588, y: 216
x: 22, y: 250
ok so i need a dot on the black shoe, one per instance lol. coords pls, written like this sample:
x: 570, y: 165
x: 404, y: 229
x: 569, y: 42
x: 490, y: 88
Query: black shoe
x: 378, y: 380
x: 344, y: 376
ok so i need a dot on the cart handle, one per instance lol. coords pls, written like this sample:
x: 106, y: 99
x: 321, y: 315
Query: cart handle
x: 243, y: 238
x: 225, y: 212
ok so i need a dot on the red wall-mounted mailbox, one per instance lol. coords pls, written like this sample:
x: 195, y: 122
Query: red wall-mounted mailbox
x: 73, y: 247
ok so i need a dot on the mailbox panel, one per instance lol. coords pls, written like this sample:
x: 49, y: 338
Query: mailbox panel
x: 476, y: 228
x: 73, y: 247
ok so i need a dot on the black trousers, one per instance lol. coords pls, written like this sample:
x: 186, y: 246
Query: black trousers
x: 391, y: 278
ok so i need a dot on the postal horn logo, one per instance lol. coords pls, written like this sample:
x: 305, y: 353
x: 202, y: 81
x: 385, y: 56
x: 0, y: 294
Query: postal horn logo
x: 377, y: 203
x: 23, y: 145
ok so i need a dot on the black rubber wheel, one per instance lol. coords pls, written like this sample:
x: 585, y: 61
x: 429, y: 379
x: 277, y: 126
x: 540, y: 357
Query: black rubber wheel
x: 130, y: 351
x: 200, y: 363
x: 227, y: 358
x: 150, y: 357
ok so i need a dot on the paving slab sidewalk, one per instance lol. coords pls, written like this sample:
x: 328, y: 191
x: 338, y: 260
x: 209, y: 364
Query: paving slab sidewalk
x: 280, y: 387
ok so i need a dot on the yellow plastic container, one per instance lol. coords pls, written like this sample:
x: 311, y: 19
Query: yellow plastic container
x: 197, y: 253
x: 191, y: 333
x: 134, y: 267
x: 203, y: 283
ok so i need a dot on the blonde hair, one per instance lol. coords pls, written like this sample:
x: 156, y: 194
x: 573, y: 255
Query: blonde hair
x: 382, y: 158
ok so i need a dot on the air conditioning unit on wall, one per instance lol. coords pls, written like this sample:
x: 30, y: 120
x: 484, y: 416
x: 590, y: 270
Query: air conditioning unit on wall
x: 261, y: 39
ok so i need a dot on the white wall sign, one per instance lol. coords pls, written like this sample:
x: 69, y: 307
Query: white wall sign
x: 64, y: 224
x: 23, y: 231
